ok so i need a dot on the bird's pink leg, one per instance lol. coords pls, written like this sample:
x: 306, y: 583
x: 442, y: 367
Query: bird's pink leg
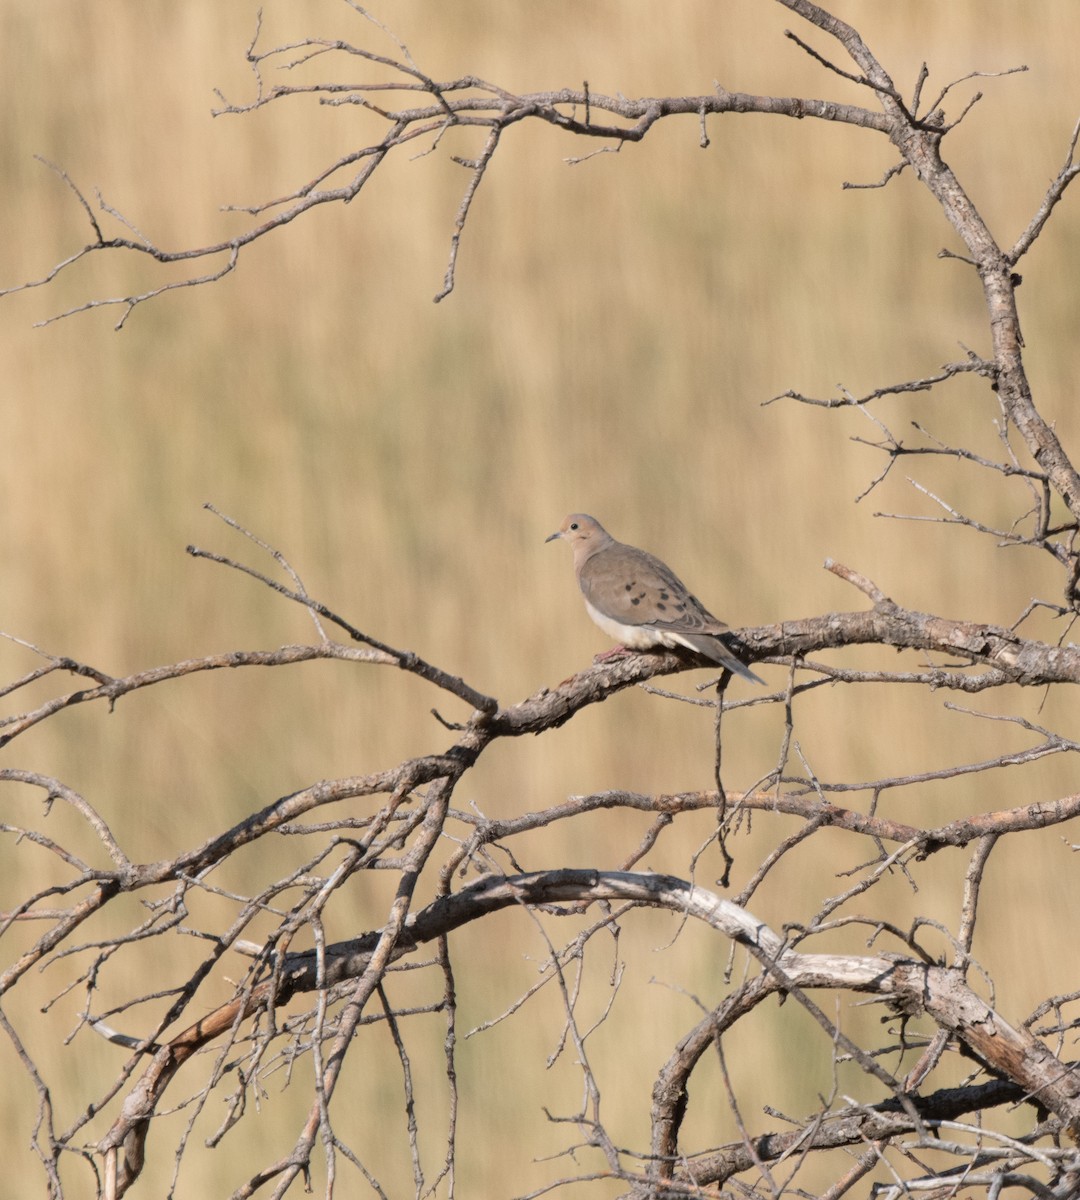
x: 614, y: 652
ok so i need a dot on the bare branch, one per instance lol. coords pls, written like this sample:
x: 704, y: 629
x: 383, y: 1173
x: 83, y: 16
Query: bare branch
x: 478, y: 168
x: 405, y: 659
x: 940, y: 99
x: 948, y: 371
x: 1064, y: 177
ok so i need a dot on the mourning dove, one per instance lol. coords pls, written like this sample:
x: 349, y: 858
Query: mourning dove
x: 638, y: 600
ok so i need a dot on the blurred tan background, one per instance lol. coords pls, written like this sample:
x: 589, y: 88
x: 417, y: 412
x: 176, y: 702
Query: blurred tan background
x: 615, y: 328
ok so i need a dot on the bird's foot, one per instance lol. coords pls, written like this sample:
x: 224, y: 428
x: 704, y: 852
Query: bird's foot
x: 614, y: 652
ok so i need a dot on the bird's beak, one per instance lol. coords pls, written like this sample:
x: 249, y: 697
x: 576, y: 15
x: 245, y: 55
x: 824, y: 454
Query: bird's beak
x: 552, y: 536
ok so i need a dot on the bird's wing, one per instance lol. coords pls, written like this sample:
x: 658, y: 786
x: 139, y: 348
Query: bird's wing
x: 634, y: 588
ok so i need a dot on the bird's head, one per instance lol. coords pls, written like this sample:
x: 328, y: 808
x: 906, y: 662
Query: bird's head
x: 584, y: 533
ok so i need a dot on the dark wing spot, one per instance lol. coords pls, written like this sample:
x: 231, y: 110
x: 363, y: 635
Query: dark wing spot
x: 661, y: 607
x: 680, y: 608
x: 635, y: 600
x: 663, y: 596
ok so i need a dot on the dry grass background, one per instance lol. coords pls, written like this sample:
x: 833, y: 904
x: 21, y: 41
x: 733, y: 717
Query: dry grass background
x: 615, y: 328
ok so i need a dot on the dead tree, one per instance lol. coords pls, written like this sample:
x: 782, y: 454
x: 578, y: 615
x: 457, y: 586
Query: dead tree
x: 952, y: 1095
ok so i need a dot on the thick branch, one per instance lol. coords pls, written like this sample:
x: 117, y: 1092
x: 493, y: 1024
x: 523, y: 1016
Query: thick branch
x: 915, y: 987
x: 855, y: 1126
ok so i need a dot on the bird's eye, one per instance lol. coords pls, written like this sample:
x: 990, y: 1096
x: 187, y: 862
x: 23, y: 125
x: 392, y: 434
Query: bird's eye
x: 573, y: 526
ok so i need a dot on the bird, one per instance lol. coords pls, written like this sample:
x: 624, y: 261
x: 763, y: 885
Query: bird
x: 640, y: 601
